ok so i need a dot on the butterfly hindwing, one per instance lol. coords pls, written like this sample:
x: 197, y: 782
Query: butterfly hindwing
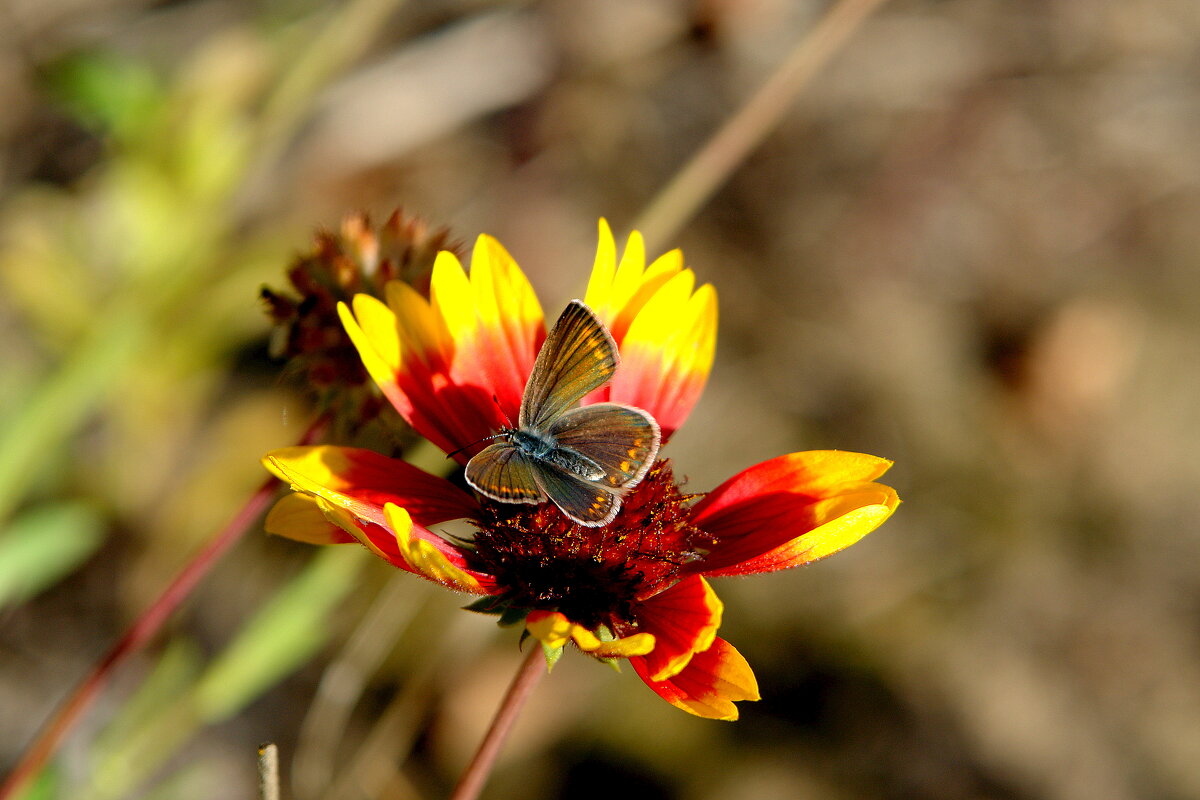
x: 504, y: 473
x: 578, y: 356
x: 623, y: 441
x: 589, y: 504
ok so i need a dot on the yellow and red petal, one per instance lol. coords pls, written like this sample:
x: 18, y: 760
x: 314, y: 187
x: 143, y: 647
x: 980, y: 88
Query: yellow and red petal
x: 404, y: 545
x: 410, y: 355
x: 425, y: 559
x: 403, y: 360
x: 376, y: 538
x: 372, y: 329
x: 369, y: 480
x: 297, y: 516
x: 665, y: 329
x: 667, y: 353
x: 495, y: 322
x: 315, y: 520
x: 684, y: 621
x: 553, y: 629
x: 354, y: 486
x: 793, y: 510
x: 442, y: 360
x: 709, y: 685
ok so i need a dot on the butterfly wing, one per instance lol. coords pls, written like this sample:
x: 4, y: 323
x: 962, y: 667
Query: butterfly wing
x: 578, y: 356
x: 623, y: 441
x: 504, y: 473
x: 587, y: 503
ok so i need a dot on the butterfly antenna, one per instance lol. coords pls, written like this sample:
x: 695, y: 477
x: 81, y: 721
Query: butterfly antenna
x: 507, y: 428
x: 462, y: 449
x: 507, y: 422
x: 466, y: 447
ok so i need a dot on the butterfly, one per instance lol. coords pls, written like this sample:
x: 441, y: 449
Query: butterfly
x: 583, y: 459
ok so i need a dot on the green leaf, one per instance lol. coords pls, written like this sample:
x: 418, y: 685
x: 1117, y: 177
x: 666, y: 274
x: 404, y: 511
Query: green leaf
x: 44, y: 545
x: 488, y: 604
x: 512, y: 616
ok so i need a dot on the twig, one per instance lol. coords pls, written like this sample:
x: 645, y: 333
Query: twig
x: 142, y: 630
x: 268, y: 772
x: 693, y: 185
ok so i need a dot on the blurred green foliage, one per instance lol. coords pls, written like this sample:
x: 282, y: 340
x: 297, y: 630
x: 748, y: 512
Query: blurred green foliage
x: 137, y: 285
x: 112, y: 94
x: 155, y: 234
x: 44, y: 544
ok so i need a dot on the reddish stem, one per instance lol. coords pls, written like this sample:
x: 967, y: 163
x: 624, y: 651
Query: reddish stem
x: 142, y: 630
x: 476, y: 773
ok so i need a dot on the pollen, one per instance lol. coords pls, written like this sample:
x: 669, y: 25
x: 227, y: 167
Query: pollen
x: 542, y: 560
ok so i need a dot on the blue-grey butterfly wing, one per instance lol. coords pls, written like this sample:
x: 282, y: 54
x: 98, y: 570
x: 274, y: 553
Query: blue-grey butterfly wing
x: 579, y: 355
x: 623, y: 441
x: 587, y: 503
x: 504, y: 473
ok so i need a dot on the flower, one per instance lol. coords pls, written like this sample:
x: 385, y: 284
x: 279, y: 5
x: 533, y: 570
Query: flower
x: 357, y: 258
x: 455, y: 364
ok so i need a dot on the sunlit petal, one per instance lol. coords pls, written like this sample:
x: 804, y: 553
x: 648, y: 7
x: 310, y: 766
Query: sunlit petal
x: 709, y: 685
x: 424, y: 558
x: 684, y: 619
x: 667, y: 354
x: 367, y: 480
x: 496, y: 323
x: 617, y: 293
x: 328, y: 473
x: 297, y: 516
x: 792, y: 510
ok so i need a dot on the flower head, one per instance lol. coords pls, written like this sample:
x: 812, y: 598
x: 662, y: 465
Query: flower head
x: 455, y: 364
x: 358, y: 258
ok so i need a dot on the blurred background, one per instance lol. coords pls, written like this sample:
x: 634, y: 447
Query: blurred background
x: 970, y: 246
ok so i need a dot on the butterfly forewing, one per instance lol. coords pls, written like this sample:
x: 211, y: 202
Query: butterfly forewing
x: 504, y: 473
x: 578, y: 356
x: 587, y: 503
x: 623, y: 441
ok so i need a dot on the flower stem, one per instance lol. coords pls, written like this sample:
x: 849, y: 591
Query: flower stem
x: 476, y: 773
x: 693, y: 185
x: 142, y: 630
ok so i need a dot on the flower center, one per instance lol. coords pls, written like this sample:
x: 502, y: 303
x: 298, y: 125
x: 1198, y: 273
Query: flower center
x: 543, y: 560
